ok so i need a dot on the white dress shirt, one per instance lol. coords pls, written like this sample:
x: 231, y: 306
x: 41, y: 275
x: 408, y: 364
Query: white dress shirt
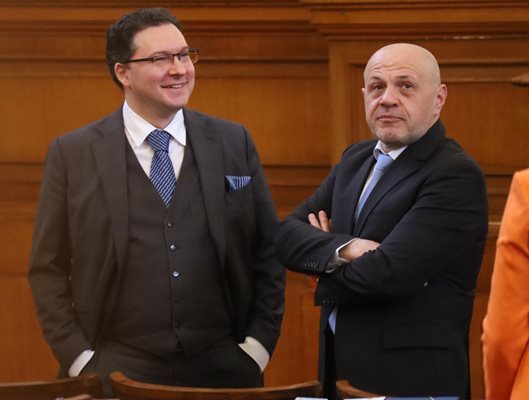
x: 137, y: 130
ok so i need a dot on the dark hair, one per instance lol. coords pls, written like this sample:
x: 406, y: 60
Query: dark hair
x: 120, y: 35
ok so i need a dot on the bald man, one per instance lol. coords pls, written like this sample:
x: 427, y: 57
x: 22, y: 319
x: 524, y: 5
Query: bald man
x: 398, y: 265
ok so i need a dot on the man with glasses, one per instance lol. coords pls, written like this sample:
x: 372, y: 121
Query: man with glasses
x: 152, y: 247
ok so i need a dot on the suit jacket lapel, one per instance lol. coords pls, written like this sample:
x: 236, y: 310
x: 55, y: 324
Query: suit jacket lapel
x: 353, y: 178
x: 400, y: 169
x: 208, y: 155
x: 405, y: 165
x: 109, y: 153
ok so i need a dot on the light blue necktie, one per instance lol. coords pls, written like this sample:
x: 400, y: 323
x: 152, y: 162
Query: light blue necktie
x: 383, y: 161
x: 162, y: 172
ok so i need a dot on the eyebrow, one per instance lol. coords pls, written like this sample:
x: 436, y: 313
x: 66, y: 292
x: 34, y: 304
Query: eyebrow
x: 169, y: 52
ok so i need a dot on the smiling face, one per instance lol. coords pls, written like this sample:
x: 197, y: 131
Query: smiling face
x: 403, y: 94
x: 157, y: 92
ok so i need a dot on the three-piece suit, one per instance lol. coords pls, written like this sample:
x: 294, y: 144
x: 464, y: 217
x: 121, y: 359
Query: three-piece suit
x: 111, y: 264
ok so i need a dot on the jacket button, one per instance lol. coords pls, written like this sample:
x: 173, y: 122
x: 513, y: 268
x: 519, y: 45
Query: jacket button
x: 175, y: 274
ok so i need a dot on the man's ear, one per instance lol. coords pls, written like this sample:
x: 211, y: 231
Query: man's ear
x: 440, y: 98
x: 121, y: 71
x: 442, y: 93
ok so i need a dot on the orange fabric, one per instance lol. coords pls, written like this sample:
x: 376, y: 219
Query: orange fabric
x: 506, y: 325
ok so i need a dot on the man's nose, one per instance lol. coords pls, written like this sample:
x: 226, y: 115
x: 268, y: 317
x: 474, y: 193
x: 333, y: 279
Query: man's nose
x: 177, y: 67
x: 389, y: 97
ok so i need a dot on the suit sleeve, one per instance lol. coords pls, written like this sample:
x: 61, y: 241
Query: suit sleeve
x: 506, y: 325
x: 268, y: 276
x: 49, y: 270
x: 302, y: 247
x: 446, y: 223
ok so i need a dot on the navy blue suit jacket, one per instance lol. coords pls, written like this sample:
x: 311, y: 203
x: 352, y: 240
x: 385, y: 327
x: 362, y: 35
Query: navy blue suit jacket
x: 404, y: 309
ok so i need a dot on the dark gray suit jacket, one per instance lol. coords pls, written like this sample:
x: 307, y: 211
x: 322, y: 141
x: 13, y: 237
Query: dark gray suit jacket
x: 81, y: 232
x: 404, y: 309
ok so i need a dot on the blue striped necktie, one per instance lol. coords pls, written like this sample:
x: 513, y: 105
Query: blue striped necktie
x: 162, y: 172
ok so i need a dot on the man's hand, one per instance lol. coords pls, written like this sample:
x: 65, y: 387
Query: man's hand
x: 356, y: 248
x: 321, y: 221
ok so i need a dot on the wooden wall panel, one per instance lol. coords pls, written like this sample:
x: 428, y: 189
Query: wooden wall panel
x: 296, y: 355
x: 22, y: 351
x: 46, y: 106
x: 23, y: 355
x: 281, y: 112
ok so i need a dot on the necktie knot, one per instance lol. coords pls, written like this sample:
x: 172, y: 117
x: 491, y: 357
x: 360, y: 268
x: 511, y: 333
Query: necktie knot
x: 383, y: 161
x: 159, y: 140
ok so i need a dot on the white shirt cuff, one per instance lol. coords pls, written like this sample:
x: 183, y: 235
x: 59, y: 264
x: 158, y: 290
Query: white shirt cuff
x: 80, y: 362
x: 256, y: 350
x: 336, y: 260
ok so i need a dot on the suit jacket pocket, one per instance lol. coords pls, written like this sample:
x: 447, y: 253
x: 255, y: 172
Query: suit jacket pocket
x: 240, y: 214
x: 433, y: 336
x: 240, y: 199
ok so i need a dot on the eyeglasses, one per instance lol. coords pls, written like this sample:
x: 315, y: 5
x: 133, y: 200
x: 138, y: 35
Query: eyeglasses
x: 162, y: 60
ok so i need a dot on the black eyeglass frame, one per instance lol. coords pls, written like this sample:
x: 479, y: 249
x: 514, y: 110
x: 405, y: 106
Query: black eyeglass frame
x: 152, y: 59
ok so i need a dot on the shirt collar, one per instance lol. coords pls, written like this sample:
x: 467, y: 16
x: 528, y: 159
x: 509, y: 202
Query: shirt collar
x: 138, y: 129
x: 393, y: 153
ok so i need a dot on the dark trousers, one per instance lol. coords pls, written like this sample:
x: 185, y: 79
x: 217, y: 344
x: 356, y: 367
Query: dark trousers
x: 223, y: 364
x: 329, y: 380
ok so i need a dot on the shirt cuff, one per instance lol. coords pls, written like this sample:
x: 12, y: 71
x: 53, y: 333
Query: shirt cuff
x: 337, y: 261
x: 80, y: 362
x: 256, y: 350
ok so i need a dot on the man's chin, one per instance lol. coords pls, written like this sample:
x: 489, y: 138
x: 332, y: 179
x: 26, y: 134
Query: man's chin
x: 391, y: 135
x: 391, y: 139
x: 174, y: 106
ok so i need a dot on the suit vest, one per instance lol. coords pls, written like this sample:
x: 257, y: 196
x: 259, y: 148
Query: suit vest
x: 171, y: 296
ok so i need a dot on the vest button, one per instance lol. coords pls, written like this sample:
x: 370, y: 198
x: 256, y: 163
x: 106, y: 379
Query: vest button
x: 175, y: 274
x: 170, y: 224
x: 172, y: 247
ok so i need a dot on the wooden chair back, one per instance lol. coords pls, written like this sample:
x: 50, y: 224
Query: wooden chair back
x: 81, y: 397
x: 89, y: 384
x: 346, y: 391
x: 128, y: 389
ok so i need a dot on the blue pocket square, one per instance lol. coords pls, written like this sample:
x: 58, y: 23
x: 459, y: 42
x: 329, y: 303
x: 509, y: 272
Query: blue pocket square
x: 236, y: 182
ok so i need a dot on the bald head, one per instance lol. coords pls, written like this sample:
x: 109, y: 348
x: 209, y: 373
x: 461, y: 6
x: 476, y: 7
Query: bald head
x: 403, y: 93
x: 406, y: 53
